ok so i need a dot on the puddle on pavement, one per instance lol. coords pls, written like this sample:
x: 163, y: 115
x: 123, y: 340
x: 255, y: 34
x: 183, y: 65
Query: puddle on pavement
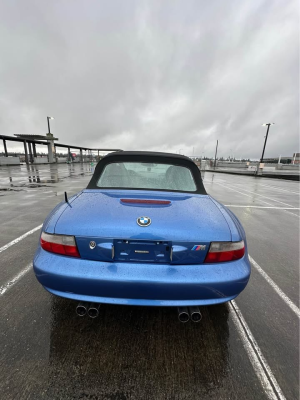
x: 29, y: 185
x: 10, y: 190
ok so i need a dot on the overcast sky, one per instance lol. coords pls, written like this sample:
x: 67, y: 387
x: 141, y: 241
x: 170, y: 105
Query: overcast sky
x: 153, y: 75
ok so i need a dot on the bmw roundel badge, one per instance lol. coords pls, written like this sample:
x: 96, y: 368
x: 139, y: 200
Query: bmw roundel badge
x: 143, y: 221
x: 92, y: 245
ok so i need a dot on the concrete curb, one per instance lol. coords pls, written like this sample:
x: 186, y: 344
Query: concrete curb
x: 295, y: 177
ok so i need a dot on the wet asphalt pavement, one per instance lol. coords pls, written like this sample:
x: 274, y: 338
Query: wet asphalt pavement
x: 47, y: 352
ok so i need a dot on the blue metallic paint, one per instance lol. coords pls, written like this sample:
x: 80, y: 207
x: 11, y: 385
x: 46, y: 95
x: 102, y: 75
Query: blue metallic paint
x: 141, y: 284
x: 99, y: 215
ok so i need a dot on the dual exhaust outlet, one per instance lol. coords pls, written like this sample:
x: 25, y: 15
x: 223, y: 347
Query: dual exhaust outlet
x: 184, y: 313
x: 189, y: 313
x: 91, y: 309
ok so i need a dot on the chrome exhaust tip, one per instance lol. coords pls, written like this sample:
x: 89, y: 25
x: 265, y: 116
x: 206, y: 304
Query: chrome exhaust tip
x: 183, y: 314
x: 195, y: 314
x: 81, y: 309
x: 93, y: 310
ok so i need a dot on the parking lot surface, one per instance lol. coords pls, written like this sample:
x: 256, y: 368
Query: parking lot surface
x: 246, y: 349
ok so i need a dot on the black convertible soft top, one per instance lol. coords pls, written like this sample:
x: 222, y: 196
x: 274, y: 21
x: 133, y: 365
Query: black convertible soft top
x: 147, y: 157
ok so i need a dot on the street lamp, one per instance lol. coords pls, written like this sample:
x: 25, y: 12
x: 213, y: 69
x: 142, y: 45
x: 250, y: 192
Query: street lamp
x: 268, y: 125
x: 49, y: 124
x: 216, y: 154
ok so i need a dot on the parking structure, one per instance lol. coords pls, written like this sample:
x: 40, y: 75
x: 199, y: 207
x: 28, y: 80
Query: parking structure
x: 247, y: 349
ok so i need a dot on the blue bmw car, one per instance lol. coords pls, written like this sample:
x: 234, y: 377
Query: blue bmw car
x: 144, y: 232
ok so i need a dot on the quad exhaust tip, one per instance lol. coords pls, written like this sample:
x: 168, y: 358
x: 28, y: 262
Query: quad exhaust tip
x: 91, y: 309
x: 183, y: 314
x: 187, y: 313
x: 195, y: 314
x: 81, y: 309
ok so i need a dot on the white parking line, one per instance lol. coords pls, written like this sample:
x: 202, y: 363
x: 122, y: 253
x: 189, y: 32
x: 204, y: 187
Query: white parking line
x: 258, y: 361
x: 280, y: 189
x: 6, y: 246
x: 10, y: 283
x: 259, y: 200
x: 266, y: 197
x: 275, y: 208
x: 277, y: 289
x: 244, y: 194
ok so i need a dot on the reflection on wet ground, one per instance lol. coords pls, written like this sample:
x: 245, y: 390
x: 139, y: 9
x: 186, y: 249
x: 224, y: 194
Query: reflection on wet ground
x: 108, y: 354
x: 132, y: 353
x: 127, y: 353
x: 31, y: 176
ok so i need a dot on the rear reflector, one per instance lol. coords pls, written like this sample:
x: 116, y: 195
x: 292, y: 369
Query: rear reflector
x: 142, y: 201
x: 225, y: 251
x: 59, y: 244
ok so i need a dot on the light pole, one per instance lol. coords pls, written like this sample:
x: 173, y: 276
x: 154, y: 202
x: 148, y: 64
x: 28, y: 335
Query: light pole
x: 49, y: 124
x: 216, y: 154
x: 263, y: 152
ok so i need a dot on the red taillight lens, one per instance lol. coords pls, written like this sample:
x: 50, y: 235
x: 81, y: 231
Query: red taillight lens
x: 59, y: 244
x: 225, y: 251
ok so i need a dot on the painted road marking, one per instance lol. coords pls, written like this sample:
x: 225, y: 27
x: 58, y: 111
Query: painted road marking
x: 280, y: 189
x: 10, y: 283
x: 244, y: 194
x: 275, y: 208
x: 20, y: 238
x: 258, y: 361
x: 269, y: 198
x: 277, y: 289
x: 259, y: 200
x: 286, y: 299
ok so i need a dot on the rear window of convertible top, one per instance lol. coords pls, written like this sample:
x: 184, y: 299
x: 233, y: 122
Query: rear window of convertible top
x: 139, y: 175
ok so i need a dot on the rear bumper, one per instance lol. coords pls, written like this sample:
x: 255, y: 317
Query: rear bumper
x: 141, y: 284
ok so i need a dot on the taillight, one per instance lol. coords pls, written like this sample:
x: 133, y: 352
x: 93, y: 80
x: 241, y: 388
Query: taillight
x: 60, y: 244
x: 225, y: 251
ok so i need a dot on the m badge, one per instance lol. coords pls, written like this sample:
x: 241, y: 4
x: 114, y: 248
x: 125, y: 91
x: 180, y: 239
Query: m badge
x: 198, y: 247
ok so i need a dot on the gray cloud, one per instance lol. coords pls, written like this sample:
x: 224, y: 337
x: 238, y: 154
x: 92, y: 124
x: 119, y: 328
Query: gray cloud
x: 157, y: 75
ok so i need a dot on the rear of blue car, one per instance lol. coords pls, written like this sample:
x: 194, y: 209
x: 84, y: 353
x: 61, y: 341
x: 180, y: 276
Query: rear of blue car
x: 137, y: 246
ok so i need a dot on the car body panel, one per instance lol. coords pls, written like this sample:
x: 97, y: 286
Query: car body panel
x: 55, y: 214
x: 101, y: 213
x: 162, y: 264
x: 141, y: 250
x: 141, y: 284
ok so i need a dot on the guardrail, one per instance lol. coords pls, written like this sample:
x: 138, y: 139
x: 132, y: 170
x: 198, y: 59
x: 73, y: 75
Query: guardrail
x: 31, y: 154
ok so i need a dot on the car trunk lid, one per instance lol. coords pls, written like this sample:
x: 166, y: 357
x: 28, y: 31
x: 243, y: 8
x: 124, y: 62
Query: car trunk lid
x: 106, y: 227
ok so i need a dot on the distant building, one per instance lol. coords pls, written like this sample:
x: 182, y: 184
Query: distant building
x: 282, y: 160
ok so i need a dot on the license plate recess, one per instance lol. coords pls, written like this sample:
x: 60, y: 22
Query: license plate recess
x: 142, y: 251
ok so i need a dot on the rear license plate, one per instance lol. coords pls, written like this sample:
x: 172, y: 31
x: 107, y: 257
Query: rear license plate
x: 142, y: 251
